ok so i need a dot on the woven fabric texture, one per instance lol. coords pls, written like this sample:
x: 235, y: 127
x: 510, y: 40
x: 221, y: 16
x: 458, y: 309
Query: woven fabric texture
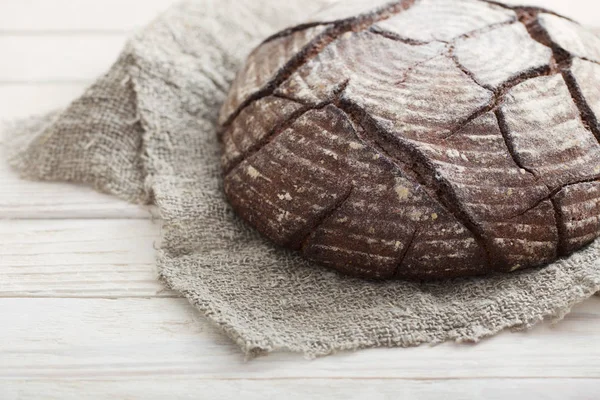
x: 145, y: 131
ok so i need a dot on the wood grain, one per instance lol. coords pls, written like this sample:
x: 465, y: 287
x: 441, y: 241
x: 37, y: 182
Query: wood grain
x: 297, y: 389
x: 79, y: 258
x: 118, y: 340
x: 21, y: 199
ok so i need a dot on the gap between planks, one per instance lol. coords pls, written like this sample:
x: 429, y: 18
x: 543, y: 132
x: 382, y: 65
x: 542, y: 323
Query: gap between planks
x: 31, y: 200
x: 367, y: 379
x: 297, y: 389
x: 160, y: 338
x: 80, y: 259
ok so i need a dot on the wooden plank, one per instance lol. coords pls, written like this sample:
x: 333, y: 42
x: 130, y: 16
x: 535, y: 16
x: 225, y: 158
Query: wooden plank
x: 54, y: 59
x: 79, y: 258
x: 164, y: 339
x: 81, y: 15
x: 22, y: 100
x: 297, y: 389
x: 22, y: 199
x: 111, y: 339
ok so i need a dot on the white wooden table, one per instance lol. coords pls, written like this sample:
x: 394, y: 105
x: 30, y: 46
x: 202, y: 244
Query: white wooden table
x: 83, y: 317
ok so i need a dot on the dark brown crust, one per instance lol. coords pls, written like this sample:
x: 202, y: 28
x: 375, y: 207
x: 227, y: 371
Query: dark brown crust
x: 498, y: 245
x: 587, y: 115
x: 394, y: 36
x: 413, y: 164
x: 498, y: 93
x: 536, y: 10
x: 292, y: 30
x: 316, y: 45
x: 563, y: 60
x: 509, y: 142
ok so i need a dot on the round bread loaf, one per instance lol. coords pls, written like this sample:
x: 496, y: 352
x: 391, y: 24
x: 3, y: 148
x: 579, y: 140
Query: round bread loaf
x: 419, y: 139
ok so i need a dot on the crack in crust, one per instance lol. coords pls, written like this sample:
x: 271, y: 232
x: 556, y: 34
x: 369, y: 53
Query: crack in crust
x: 292, y: 30
x: 408, y: 247
x: 562, y: 234
x: 588, y: 60
x: 485, y: 29
x: 415, y: 42
x: 529, y: 17
x: 412, y: 163
x: 587, y: 114
x: 394, y: 36
x: 531, y: 8
x: 410, y: 69
x: 554, y: 192
x: 561, y: 64
x: 465, y: 70
x: 499, y: 93
x: 418, y: 169
x: 281, y: 127
x: 510, y: 145
x: 301, y: 27
x: 359, y: 118
x: 315, y: 46
x: 309, y: 230
x: 561, y: 245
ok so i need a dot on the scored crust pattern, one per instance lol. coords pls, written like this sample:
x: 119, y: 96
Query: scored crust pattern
x: 419, y: 139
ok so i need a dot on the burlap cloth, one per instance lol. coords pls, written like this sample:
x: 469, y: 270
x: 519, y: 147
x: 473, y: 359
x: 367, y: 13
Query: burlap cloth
x: 145, y: 132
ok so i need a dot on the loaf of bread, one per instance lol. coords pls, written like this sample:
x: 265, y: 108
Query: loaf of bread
x: 419, y: 139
